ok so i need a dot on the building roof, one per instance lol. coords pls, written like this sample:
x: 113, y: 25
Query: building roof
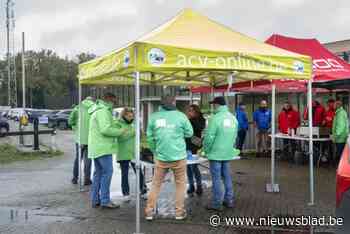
x: 338, y: 46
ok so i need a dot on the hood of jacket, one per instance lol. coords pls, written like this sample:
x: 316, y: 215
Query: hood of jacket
x: 100, y: 104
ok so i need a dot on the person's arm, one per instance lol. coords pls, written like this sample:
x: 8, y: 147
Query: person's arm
x: 73, y: 118
x: 150, y: 136
x: 245, y: 119
x: 106, y: 125
x: 209, y: 136
x: 187, y: 128
x: 340, y: 124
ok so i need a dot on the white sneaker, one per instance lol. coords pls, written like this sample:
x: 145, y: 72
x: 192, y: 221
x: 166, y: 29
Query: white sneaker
x: 126, y: 198
x: 149, y: 216
x: 182, y: 216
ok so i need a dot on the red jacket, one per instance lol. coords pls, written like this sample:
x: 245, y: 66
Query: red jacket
x: 318, y: 114
x: 288, y: 119
x: 328, y: 118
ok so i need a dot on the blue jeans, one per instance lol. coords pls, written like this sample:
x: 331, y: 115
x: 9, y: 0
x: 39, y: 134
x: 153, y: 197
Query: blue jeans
x: 100, y: 193
x: 193, y: 169
x: 87, y: 162
x: 220, y: 170
x: 124, y: 166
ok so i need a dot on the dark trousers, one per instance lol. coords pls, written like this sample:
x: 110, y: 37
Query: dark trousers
x: 289, y: 148
x: 339, y: 151
x: 241, y: 138
x: 124, y: 166
x: 87, y: 162
x: 193, y: 171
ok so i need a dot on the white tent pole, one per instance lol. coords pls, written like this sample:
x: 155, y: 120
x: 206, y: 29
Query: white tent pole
x: 137, y: 148
x: 311, y: 158
x: 273, y: 132
x: 191, y: 97
x: 79, y: 140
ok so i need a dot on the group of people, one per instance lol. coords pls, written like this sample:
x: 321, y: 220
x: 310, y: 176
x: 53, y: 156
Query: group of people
x: 171, y: 137
x: 333, y: 117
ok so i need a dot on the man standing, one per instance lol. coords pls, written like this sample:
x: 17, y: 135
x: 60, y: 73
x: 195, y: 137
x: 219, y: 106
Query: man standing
x: 328, y: 123
x: 81, y: 132
x: 242, y: 119
x: 262, y: 121
x: 288, y: 122
x: 217, y: 145
x: 340, y: 129
x: 166, y: 133
x: 103, y: 135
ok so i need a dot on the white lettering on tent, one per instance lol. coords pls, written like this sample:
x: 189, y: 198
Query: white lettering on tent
x: 181, y: 60
x: 203, y: 61
x: 334, y: 63
x: 220, y: 62
x: 321, y: 64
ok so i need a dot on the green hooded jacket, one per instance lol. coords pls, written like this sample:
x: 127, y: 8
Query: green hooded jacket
x: 340, y: 129
x: 126, y: 142
x: 73, y: 121
x: 166, y: 133
x: 220, y: 136
x: 103, y: 130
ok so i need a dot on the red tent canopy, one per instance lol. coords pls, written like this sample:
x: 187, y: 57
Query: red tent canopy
x: 326, y: 67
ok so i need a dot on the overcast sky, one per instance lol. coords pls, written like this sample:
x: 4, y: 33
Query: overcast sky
x: 73, y: 26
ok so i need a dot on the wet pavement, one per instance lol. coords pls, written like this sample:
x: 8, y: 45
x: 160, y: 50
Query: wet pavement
x: 37, y: 197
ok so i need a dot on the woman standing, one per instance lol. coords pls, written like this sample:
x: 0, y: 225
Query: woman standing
x: 193, y: 145
x: 126, y: 149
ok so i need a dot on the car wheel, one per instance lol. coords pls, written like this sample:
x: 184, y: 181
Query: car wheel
x: 3, y: 131
x: 62, y: 125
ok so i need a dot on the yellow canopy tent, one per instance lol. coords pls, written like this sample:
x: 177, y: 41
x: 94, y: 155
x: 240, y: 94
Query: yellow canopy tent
x: 192, y: 50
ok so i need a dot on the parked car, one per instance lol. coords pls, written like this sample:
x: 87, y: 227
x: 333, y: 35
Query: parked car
x: 343, y: 190
x: 4, y: 126
x: 36, y: 113
x: 16, y: 113
x: 59, y: 120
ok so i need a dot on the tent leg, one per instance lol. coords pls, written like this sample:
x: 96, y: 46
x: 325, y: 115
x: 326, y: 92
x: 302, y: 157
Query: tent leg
x: 212, y: 97
x: 79, y: 146
x: 137, y: 149
x: 273, y: 187
x: 311, y: 159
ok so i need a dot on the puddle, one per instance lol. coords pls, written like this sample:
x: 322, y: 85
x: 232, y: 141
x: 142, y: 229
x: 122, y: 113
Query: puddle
x: 22, y: 216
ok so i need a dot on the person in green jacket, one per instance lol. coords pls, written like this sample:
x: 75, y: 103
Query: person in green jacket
x: 166, y: 133
x: 81, y: 138
x: 126, y: 152
x: 103, y: 134
x: 340, y: 129
x: 217, y: 146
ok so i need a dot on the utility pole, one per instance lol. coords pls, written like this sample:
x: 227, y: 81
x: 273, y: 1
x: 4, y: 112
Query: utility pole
x: 23, y: 73
x: 11, y: 59
x: 8, y: 52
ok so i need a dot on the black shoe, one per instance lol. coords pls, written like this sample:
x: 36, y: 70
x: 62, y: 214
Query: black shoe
x: 97, y: 205
x: 210, y: 207
x: 190, y: 190
x: 74, y: 181
x: 227, y: 205
x: 199, y: 190
x: 87, y: 182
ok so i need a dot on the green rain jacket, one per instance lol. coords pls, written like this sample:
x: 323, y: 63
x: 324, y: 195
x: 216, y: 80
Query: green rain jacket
x: 126, y: 142
x: 220, y: 136
x: 340, y: 129
x: 73, y: 121
x: 166, y: 133
x: 103, y: 131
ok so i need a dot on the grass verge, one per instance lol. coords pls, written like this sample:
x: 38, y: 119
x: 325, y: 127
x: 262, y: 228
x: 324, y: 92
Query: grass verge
x: 9, y: 154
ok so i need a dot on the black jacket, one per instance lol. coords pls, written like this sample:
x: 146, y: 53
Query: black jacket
x: 198, y: 125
